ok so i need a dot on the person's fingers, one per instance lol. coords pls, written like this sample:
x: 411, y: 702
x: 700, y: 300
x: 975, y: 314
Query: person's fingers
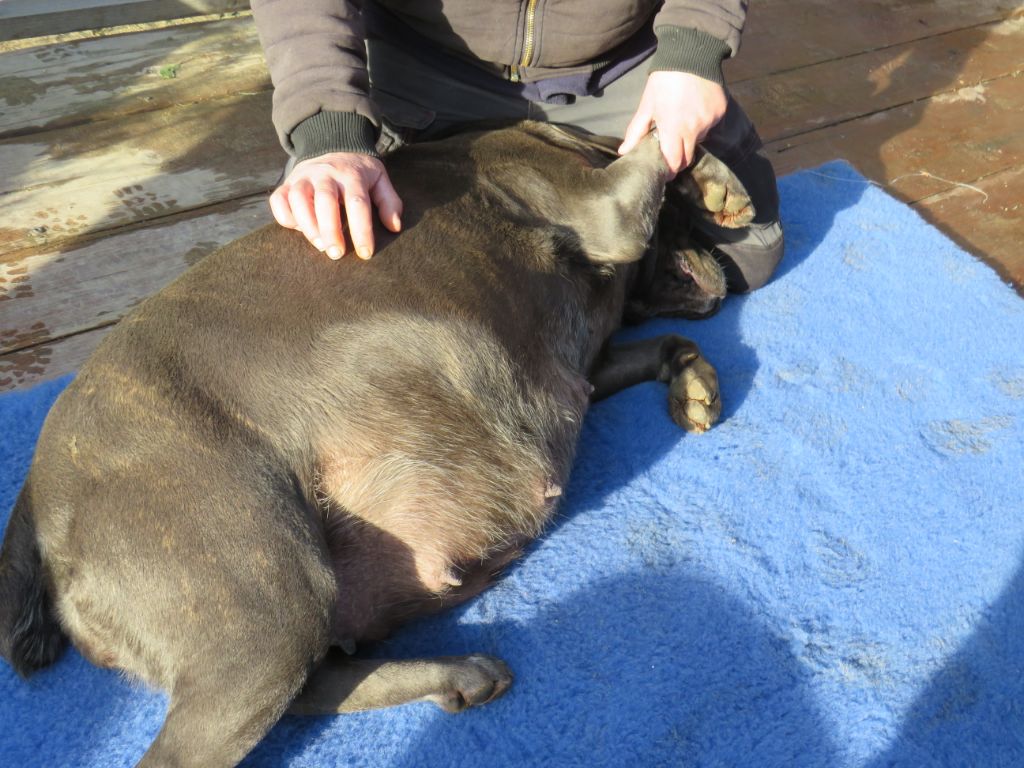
x: 673, y: 149
x: 389, y: 204
x: 638, y: 127
x: 358, y: 213
x: 300, y: 200
x: 688, y: 146
x: 671, y: 133
x: 280, y: 208
x: 324, y: 197
x: 328, y: 217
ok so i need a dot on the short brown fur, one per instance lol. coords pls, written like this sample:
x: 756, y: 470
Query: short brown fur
x: 278, y: 454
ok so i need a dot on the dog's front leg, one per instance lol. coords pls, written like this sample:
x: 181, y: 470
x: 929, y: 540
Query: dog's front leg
x: 693, y: 385
x: 454, y: 683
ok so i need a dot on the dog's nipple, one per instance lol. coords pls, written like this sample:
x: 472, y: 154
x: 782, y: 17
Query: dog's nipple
x: 552, y: 490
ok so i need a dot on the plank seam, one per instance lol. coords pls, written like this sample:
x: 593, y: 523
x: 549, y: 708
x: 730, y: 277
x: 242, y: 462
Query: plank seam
x: 60, y: 338
x: 1012, y: 15
x: 17, y: 133
x: 79, y: 241
x: 863, y: 115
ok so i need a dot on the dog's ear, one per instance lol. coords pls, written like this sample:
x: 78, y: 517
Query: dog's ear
x: 617, y: 209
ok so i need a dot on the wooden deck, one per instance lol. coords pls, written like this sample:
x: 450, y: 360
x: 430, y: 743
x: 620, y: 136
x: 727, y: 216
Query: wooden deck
x: 126, y: 157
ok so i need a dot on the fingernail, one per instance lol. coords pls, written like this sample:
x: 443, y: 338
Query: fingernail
x: 364, y: 252
x: 318, y: 244
x: 334, y: 252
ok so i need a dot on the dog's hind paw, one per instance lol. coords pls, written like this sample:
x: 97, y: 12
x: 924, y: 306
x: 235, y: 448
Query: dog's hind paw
x: 717, y: 194
x: 472, y: 681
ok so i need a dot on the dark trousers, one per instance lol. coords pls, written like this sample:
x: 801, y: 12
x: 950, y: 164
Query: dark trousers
x: 418, y: 101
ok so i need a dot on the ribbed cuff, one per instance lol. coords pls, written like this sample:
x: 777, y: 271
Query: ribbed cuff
x: 690, y: 50
x: 334, y: 132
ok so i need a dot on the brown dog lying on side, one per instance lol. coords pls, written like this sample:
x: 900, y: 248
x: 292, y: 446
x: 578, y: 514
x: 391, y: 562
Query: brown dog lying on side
x: 279, y: 454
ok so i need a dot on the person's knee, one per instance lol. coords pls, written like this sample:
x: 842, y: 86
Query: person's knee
x: 750, y: 262
x: 749, y: 256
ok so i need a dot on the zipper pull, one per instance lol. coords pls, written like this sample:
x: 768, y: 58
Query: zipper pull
x: 513, y: 73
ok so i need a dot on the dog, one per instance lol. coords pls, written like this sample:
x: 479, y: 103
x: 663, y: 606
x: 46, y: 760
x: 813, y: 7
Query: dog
x: 278, y: 458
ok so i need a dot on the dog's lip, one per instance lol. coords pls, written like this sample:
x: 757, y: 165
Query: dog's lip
x: 716, y: 304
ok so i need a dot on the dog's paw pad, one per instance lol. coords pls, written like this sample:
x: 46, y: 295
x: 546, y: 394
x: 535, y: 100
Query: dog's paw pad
x: 739, y: 215
x: 717, y: 193
x: 698, y: 390
x: 714, y: 196
x: 474, y: 680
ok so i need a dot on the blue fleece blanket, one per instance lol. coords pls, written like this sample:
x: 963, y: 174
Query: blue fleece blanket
x: 831, y: 577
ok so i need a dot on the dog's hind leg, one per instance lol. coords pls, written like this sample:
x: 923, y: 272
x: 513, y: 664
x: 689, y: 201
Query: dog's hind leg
x: 221, y: 596
x: 240, y: 674
x: 454, y: 683
x: 693, y: 385
x: 216, y: 718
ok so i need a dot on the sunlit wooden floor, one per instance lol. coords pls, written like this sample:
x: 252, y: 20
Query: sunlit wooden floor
x: 126, y: 157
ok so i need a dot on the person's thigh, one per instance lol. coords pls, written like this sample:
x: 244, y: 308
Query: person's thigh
x: 605, y: 114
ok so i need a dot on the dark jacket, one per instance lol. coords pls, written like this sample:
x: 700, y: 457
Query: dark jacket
x: 316, y: 52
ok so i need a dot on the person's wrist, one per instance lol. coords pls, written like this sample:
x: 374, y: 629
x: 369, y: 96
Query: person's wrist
x: 689, y: 50
x: 327, y: 132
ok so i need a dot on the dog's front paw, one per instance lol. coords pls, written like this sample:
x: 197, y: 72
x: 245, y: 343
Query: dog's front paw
x: 693, y: 393
x: 471, y: 681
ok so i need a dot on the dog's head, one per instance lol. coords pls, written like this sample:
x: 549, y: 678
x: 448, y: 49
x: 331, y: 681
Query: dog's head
x: 616, y: 212
x: 677, y: 277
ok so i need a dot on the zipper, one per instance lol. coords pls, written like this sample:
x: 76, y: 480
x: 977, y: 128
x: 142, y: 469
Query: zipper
x: 528, y: 40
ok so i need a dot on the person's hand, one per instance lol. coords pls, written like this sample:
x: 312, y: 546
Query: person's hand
x: 316, y: 191
x: 683, y: 107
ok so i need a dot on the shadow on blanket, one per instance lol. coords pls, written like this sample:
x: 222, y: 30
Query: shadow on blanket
x: 981, y: 685
x: 671, y: 651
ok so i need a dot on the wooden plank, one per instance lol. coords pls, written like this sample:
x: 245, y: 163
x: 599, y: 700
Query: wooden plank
x: 63, y: 184
x: 26, y: 367
x: 787, y: 34
x: 34, y: 18
x: 802, y: 100
x: 102, y: 78
x: 908, y: 148
x: 51, y: 293
x: 986, y: 219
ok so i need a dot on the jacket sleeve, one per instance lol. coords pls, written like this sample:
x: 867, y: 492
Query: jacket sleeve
x: 696, y: 36
x: 316, y: 53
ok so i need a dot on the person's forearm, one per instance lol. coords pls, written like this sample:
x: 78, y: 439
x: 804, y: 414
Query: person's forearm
x: 317, y: 59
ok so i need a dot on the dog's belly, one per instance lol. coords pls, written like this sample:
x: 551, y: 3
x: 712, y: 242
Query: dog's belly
x: 421, y: 522
x: 408, y: 537
x: 447, y: 456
